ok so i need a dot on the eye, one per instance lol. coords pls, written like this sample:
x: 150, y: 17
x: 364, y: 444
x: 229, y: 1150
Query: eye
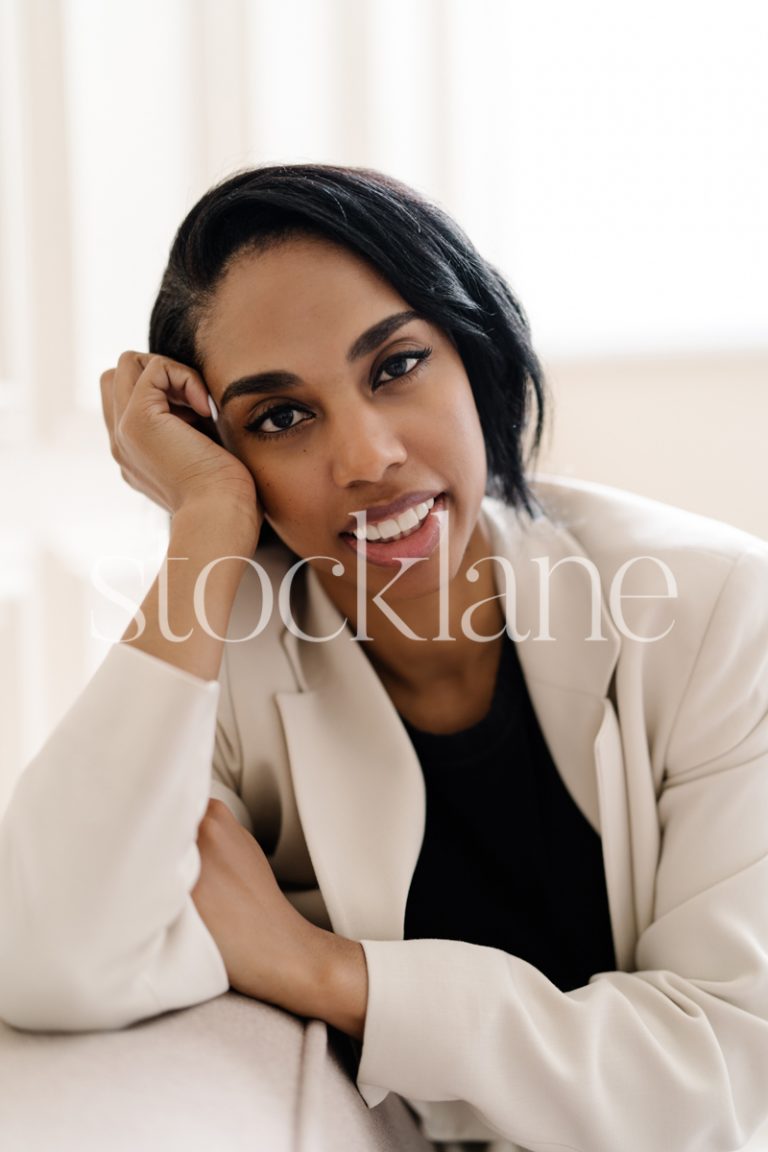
x: 397, y: 366
x: 278, y: 420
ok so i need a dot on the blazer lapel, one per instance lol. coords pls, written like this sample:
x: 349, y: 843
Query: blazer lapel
x: 358, y: 784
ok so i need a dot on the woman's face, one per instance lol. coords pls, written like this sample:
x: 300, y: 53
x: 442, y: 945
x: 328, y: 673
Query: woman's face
x: 342, y: 405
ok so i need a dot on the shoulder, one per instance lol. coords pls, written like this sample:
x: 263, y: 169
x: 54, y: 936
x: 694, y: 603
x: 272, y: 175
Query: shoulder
x: 607, y: 520
x: 633, y: 544
x: 613, y: 528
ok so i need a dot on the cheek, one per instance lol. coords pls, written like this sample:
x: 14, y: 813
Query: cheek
x: 460, y: 427
x: 273, y: 489
x: 287, y: 490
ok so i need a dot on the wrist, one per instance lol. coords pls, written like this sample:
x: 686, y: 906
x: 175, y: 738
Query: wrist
x: 184, y: 618
x: 340, y: 984
x: 231, y: 524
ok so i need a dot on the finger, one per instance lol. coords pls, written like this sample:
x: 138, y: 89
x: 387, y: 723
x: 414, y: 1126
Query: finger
x: 106, y: 386
x: 179, y: 384
x: 106, y: 381
x: 204, y: 424
x: 130, y: 366
x: 117, y: 386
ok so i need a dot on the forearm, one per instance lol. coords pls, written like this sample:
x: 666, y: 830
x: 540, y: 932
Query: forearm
x: 174, y: 623
x: 96, y: 852
x: 324, y: 976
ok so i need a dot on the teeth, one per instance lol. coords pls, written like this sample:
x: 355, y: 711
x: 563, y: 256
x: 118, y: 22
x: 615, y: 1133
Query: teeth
x: 388, y: 529
x: 408, y: 520
x: 398, y: 526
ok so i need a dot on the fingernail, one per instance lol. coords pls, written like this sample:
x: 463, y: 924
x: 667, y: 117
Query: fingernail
x: 213, y: 408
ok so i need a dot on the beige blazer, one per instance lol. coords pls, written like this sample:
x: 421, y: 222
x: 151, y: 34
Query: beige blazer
x: 662, y: 743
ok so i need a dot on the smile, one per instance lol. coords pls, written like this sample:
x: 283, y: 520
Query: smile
x: 396, y: 527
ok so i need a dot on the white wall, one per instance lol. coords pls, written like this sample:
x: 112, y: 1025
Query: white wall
x: 691, y: 430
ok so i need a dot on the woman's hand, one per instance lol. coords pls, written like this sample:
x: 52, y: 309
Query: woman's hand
x: 269, y: 950
x: 163, y: 437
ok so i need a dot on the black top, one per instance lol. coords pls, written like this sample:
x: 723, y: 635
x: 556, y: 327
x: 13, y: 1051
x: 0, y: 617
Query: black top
x: 508, y: 860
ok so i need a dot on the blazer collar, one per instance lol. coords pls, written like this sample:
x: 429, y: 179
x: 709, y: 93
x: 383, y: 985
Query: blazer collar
x: 358, y: 784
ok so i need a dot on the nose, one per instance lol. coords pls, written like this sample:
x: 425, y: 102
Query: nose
x: 364, y: 445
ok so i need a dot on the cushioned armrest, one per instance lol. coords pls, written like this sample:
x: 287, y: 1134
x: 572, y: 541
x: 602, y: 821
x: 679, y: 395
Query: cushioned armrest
x: 231, y: 1074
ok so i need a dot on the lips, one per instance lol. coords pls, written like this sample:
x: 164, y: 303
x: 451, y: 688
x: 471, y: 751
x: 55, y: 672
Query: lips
x: 381, y: 512
x: 416, y: 532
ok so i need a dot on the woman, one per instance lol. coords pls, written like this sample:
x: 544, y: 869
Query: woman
x: 490, y: 772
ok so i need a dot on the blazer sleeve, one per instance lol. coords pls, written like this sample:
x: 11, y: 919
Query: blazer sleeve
x: 673, y: 1055
x: 98, y: 855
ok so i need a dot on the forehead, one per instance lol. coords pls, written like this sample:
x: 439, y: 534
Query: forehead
x: 302, y: 297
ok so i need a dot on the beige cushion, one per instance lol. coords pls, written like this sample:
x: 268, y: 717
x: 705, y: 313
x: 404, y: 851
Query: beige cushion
x: 230, y: 1074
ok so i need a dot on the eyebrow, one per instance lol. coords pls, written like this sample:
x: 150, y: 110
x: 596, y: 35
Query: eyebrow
x: 368, y: 342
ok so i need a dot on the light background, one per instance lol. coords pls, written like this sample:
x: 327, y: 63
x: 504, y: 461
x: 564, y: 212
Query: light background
x: 610, y: 158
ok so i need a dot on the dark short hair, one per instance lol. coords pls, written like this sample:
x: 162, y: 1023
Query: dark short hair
x: 413, y: 243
